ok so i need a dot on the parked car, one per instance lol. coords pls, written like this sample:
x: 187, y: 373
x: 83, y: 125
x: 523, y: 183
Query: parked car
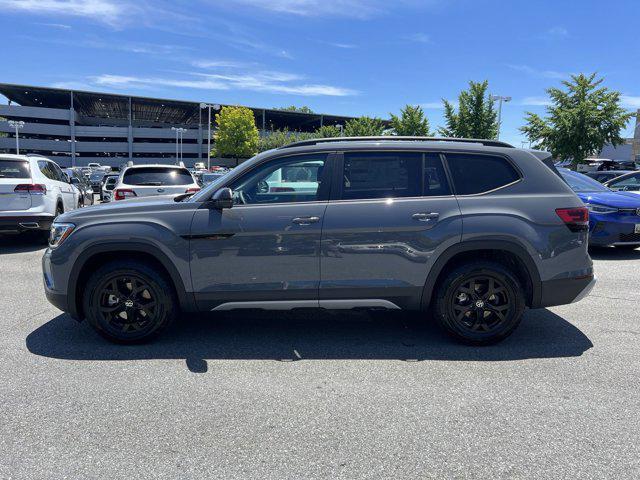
x: 474, y: 230
x: 606, y: 175
x: 94, y: 165
x: 199, y: 166
x: 108, y: 184
x: 82, y: 184
x: 208, y: 178
x: 629, y: 182
x: 597, y: 165
x: 96, y: 180
x: 614, y: 217
x: 33, y: 191
x: 153, y: 180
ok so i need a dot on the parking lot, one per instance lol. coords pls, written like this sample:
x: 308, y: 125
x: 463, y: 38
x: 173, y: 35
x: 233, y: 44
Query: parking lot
x: 320, y: 395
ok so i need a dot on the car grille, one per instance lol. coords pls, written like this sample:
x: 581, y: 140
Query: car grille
x: 629, y: 211
x: 630, y: 237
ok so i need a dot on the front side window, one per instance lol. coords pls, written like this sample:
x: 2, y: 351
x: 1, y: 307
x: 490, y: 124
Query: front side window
x: 299, y: 178
x: 479, y: 173
x: 370, y: 175
x: 630, y: 183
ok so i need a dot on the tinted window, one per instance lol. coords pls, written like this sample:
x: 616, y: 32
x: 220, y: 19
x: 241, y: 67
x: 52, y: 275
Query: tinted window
x: 297, y: 178
x: 157, y: 176
x: 47, y: 170
x: 630, y: 183
x: 381, y: 175
x: 14, y: 169
x: 435, y: 181
x: 479, y: 173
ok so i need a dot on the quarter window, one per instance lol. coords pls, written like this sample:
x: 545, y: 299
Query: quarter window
x: 479, y: 173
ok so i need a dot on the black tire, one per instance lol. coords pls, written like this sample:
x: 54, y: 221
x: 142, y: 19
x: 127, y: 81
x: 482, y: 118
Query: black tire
x: 479, y: 303
x: 129, y: 302
x: 626, y: 247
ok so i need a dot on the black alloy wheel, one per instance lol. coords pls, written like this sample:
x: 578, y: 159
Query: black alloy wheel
x: 129, y: 301
x: 480, y: 303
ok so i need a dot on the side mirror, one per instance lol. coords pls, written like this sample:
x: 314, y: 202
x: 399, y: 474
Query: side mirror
x: 223, y: 198
x: 74, y: 181
x: 66, y: 178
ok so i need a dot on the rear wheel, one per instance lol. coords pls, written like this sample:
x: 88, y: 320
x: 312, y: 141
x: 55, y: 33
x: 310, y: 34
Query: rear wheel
x: 480, y: 303
x: 129, y: 302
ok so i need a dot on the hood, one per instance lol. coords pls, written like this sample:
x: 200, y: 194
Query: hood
x: 135, y: 205
x: 612, y: 199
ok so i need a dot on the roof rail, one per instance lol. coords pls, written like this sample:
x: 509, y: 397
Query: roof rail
x: 394, y: 138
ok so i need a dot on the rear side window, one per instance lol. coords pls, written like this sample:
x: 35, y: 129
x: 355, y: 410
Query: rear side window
x: 14, y: 169
x: 479, y: 173
x: 157, y: 176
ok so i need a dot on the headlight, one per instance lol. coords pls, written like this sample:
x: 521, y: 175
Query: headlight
x: 59, y: 233
x: 600, y: 208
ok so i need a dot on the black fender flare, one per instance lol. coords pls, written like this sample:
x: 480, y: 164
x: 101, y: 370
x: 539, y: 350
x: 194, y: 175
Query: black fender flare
x: 185, y: 299
x: 506, y: 245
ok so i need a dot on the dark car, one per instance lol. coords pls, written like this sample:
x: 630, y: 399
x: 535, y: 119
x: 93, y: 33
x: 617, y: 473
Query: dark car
x: 614, y: 217
x: 606, y: 175
x: 473, y: 231
x: 81, y: 183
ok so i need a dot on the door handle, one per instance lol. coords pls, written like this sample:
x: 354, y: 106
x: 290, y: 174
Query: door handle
x: 425, y: 217
x: 305, y: 220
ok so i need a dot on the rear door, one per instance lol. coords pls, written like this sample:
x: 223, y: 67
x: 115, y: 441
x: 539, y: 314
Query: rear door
x: 391, y: 215
x: 13, y: 173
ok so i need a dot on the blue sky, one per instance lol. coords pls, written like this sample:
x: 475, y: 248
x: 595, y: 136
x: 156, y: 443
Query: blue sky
x: 351, y: 57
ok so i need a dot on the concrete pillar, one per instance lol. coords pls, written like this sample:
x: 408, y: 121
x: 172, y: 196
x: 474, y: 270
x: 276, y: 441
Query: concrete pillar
x: 199, y: 133
x: 264, y: 121
x: 72, y: 129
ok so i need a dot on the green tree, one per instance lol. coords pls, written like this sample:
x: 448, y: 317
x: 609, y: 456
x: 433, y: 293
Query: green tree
x: 363, y: 127
x: 582, y: 117
x: 327, y: 131
x: 293, y: 108
x: 411, y: 122
x: 237, y: 134
x: 476, y: 116
x: 280, y: 138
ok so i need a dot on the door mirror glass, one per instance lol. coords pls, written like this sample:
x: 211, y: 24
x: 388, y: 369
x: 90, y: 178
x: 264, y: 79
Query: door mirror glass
x: 223, y: 198
x: 75, y: 181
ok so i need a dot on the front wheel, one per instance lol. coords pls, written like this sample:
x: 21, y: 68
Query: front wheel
x: 480, y: 303
x: 129, y: 302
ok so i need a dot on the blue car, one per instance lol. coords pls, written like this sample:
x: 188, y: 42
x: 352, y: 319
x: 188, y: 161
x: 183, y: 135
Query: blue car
x: 614, y: 217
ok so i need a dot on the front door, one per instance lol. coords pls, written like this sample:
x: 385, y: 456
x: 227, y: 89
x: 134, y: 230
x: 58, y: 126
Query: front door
x: 264, y: 251
x: 390, y: 214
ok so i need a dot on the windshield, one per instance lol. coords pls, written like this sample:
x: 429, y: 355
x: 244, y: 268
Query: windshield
x: 581, y: 183
x: 157, y: 176
x: 14, y: 169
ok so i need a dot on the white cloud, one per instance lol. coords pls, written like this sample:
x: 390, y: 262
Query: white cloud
x: 218, y: 64
x: 343, y: 45
x: 106, y: 11
x: 438, y: 105
x: 557, y: 32
x: 540, y: 73
x: 418, y: 38
x: 266, y: 81
x: 61, y: 26
x: 629, y: 101
x: 535, y: 101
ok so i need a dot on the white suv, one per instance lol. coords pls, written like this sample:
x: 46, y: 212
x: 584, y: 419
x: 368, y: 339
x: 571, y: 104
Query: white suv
x: 33, y: 191
x: 148, y: 180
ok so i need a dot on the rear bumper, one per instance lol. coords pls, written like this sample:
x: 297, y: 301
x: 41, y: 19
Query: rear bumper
x: 566, y: 290
x: 24, y: 223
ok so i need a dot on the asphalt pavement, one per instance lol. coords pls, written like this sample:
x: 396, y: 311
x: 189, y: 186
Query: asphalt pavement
x: 320, y: 395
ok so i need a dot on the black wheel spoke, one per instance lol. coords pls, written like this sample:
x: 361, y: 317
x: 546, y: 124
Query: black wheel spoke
x: 480, y: 304
x: 127, y: 304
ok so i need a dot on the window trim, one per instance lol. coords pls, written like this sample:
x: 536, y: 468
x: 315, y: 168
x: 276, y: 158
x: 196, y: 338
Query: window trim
x: 465, y: 195
x: 336, y: 187
x: 328, y: 163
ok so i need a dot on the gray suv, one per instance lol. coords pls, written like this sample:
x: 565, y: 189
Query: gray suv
x: 471, y: 231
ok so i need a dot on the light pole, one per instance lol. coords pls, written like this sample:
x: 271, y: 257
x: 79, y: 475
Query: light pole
x: 17, y: 125
x: 341, y: 127
x: 500, y: 100
x: 178, y: 131
x: 215, y: 107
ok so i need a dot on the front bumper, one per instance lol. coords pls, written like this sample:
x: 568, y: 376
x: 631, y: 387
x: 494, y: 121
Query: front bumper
x: 566, y: 290
x: 23, y: 223
x: 606, y: 230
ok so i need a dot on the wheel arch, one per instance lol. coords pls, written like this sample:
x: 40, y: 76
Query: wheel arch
x: 510, y: 253
x: 98, y: 254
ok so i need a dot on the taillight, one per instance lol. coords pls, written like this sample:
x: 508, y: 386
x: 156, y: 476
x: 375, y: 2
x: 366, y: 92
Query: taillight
x: 576, y: 219
x: 192, y: 190
x: 31, y: 188
x: 124, y: 193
